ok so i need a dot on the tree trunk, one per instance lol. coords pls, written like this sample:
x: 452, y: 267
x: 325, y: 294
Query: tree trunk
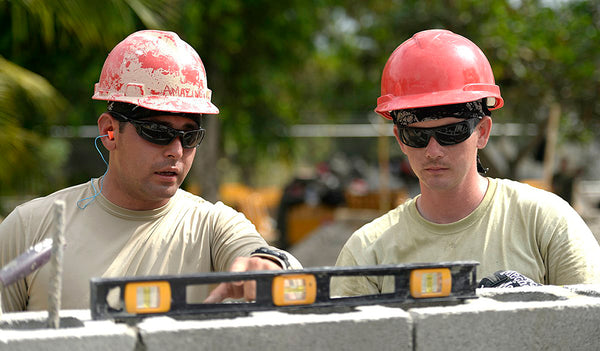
x: 204, y: 176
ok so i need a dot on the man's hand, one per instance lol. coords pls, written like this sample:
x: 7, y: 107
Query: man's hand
x: 245, y: 289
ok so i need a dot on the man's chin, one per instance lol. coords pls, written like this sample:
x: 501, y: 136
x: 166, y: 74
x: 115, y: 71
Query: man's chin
x: 164, y: 191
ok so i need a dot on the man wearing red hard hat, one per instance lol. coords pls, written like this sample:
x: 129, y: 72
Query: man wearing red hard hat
x: 135, y: 220
x: 438, y: 88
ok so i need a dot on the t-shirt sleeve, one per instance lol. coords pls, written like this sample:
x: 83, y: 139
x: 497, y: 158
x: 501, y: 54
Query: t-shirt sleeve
x: 235, y: 236
x: 572, y: 252
x: 352, y: 255
x: 12, y: 244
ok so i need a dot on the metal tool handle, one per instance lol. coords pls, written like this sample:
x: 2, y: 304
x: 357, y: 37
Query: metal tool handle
x: 26, y: 263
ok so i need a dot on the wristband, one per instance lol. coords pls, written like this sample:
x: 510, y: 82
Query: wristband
x: 277, y: 256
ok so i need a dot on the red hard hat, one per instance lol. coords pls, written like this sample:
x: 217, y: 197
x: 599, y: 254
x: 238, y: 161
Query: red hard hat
x: 436, y: 67
x: 158, y: 71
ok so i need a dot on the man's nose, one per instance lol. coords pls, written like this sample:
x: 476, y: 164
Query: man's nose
x: 434, y: 149
x: 174, y: 148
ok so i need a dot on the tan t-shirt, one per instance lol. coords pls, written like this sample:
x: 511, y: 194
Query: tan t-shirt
x: 187, y: 235
x: 516, y: 227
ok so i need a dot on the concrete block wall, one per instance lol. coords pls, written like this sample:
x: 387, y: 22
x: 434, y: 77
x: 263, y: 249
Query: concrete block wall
x: 27, y: 331
x: 548, y: 318
x: 529, y: 318
x: 273, y: 330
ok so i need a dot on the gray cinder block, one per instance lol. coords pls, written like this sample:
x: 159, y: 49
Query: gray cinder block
x: 528, y: 318
x: 28, y: 331
x: 367, y: 327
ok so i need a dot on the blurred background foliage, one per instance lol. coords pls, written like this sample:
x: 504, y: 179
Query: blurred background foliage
x: 273, y: 64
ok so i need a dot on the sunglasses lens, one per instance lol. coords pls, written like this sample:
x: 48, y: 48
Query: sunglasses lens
x: 192, y: 138
x: 415, y: 137
x: 155, y: 133
x: 453, y: 134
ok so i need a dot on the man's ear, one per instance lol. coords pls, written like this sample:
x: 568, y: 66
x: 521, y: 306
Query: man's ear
x: 484, y: 129
x: 108, y: 126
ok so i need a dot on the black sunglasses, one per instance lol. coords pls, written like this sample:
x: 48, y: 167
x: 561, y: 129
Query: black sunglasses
x: 161, y: 134
x: 449, y: 134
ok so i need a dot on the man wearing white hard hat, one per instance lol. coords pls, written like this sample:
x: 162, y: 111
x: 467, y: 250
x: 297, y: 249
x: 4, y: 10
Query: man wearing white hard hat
x: 135, y: 220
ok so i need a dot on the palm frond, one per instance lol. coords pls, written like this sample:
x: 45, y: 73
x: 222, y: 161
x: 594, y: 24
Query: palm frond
x: 90, y: 22
x: 15, y: 81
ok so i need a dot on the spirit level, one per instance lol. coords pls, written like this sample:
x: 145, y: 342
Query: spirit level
x: 122, y: 298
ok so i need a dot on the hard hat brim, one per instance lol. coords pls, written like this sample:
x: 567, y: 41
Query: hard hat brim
x: 159, y: 103
x: 388, y: 103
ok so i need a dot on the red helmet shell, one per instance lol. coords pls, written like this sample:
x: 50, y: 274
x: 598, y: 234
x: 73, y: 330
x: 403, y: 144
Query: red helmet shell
x: 436, y: 67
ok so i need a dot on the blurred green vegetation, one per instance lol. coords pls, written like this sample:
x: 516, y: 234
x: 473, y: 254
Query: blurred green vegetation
x: 272, y: 64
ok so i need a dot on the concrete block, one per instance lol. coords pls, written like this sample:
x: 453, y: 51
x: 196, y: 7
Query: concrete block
x: 28, y: 331
x: 592, y: 290
x: 537, y: 293
x: 365, y: 328
x: 527, y: 318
